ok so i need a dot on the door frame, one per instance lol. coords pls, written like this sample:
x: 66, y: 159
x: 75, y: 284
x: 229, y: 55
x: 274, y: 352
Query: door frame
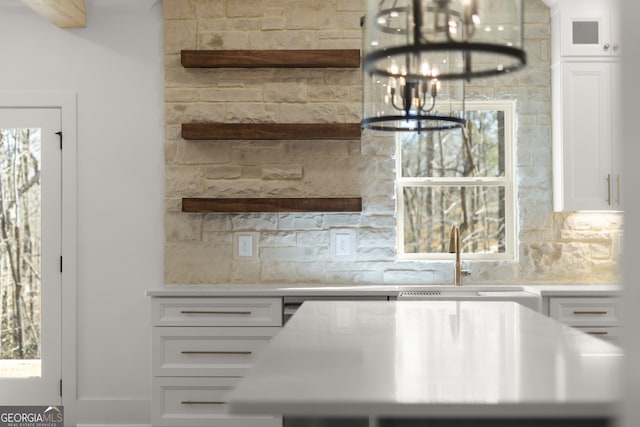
x: 67, y: 102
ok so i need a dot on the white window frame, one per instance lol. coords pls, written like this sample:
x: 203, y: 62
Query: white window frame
x: 508, y: 181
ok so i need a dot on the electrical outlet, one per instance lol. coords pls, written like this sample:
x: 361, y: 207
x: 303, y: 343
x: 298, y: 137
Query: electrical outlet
x: 343, y: 243
x: 245, y: 246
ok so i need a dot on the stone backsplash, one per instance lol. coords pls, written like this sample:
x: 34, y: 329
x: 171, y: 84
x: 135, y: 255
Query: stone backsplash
x: 296, y: 248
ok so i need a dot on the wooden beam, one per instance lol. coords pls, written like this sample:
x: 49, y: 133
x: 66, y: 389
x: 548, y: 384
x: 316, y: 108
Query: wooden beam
x: 63, y: 13
x: 308, y: 58
x: 270, y: 131
x: 271, y: 204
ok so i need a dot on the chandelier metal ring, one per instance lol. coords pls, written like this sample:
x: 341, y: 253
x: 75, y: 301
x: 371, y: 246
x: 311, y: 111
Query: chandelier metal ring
x: 446, y: 123
x: 371, y: 60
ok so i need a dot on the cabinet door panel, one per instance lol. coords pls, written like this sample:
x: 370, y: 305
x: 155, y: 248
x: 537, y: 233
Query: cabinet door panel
x: 586, y: 32
x: 586, y: 136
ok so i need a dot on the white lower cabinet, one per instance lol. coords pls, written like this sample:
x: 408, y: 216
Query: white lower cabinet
x: 598, y: 316
x: 198, y: 356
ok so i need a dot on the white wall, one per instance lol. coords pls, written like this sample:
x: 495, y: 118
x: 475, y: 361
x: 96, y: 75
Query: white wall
x: 115, y: 67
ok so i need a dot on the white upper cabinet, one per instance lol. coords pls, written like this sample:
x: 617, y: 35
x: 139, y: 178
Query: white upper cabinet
x: 590, y: 154
x: 590, y: 31
x: 587, y: 171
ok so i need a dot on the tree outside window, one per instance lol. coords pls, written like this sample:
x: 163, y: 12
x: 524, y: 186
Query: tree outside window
x: 20, y: 249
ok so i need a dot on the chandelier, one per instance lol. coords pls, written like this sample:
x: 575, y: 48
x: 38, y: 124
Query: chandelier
x: 400, y: 103
x: 417, y: 54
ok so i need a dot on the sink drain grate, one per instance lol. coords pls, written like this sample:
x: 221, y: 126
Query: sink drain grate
x: 420, y: 294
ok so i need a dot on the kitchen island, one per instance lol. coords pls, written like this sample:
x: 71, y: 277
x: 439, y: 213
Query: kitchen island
x: 453, y: 363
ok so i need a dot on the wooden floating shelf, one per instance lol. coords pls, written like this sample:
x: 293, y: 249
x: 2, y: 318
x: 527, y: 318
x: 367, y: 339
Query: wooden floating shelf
x: 270, y: 131
x: 239, y: 205
x: 321, y: 58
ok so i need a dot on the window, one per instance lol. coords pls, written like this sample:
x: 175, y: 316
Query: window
x: 443, y: 179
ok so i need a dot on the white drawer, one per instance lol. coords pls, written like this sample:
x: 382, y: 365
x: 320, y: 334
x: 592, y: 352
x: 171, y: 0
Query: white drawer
x: 199, y: 402
x: 217, y: 311
x: 212, y: 351
x: 586, y: 311
x: 611, y: 333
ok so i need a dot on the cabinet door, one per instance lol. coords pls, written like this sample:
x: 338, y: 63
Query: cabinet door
x: 586, y: 136
x: 586, y: 32
x: 617, y: 203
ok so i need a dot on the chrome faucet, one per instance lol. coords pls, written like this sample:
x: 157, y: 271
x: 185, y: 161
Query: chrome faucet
x: 455, y: 247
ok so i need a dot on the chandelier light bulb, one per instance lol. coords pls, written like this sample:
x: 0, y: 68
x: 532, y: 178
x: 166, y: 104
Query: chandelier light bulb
x: 425, y: 69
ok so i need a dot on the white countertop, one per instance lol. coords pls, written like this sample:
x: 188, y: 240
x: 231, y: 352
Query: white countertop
x: 258, y: 290
x: 430, y: 358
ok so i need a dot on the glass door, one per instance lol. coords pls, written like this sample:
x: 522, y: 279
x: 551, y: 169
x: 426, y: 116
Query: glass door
x: 30, y: 262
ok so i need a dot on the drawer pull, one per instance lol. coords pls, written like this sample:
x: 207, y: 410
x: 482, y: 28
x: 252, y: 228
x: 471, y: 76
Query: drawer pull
x: 198, y: 402
x: 245, y: 313
x: 597, y: 333
x: 591, y: 312
x: 215, y: 352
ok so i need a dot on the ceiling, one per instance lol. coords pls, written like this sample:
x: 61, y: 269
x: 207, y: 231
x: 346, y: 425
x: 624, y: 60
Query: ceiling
x: 74, y: 13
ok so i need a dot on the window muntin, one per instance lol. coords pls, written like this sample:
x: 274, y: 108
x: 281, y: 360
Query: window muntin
x: 443, y: 180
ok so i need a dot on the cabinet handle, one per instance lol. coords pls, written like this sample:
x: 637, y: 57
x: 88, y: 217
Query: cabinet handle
x: 198, y: 402
x: 606, y: 46
x: 616, y: 46
x: 214, y: 312
x: 215, y: 352
x: 590, y: 312
x: 609, y: 189
x: 597, y: 333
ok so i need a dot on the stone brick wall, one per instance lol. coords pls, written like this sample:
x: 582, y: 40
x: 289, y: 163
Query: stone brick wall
x: 295, y: 248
